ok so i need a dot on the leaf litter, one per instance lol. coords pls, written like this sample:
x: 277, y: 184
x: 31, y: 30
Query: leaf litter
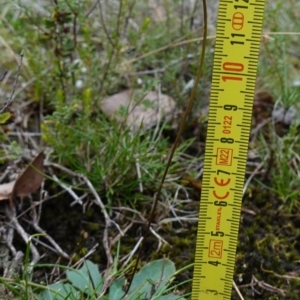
x: 28, y: 182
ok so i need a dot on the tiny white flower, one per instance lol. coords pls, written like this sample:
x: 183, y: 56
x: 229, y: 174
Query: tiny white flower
x: 79, y: 83
x: 76, y: 61
x: 296, y: 82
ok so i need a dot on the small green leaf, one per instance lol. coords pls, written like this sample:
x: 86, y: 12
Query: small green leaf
x: 115, y: 291
x: 92, y: 270
x: 80, y: 281
x: 49, y: 24
x: 4, y: 117
x: 152, y: 278
x: 14, y: 150
x: 145, y: 24
x: 60, y: 291
x: 81, y: 278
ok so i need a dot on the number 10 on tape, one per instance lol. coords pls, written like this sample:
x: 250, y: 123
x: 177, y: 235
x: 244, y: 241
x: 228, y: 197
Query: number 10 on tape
x: 229, y: 122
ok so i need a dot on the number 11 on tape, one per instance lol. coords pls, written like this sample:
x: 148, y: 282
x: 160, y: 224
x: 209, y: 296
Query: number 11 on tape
x: 229, y: 123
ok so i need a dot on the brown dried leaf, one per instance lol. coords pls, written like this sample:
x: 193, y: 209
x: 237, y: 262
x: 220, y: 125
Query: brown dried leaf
x: 30, y: 179
x: 143, y: 107
x: 6, y: 189
x: 262, y: 107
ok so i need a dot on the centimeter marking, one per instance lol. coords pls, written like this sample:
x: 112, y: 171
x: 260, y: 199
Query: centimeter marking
x: 229, y: 122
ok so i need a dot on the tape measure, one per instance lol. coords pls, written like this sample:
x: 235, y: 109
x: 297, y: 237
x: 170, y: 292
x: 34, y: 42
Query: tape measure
x: 230, y: 113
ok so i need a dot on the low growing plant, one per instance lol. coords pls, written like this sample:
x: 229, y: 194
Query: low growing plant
x: 151, y: 282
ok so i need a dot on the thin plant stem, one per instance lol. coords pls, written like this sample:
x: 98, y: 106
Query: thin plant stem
x: 174, y: 146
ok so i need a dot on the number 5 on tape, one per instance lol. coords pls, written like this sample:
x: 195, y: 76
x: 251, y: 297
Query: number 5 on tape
x: 230, y: 114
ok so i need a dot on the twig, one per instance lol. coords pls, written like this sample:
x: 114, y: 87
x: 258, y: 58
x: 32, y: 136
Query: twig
x: 161, y: 240
x: 249, y: 211
x: 69, y: 190
x: 237, y: 290
x: 288, y: 277
x: 107, y: 219
x: 103, y: 24
x: 87, y: 255
x: 32, y: 80
x: 107, y: 248
x: 261, y: 284
x: 7, y: 103
x: 49, y: 238
x: 98, y: 199
x: 3, y: 75
x: 135, y: 212
x: 255, y: 130
x: 253, y: 174
x: 158, y: 112
x: 92, y: 8
x: 12, y: 269
x: 118, y: 237
x: 139, y: 175
x: 268, y: 287
x: 131, y: 253
x: 292, y: 275
x: 173, y: 210
x: 11, y: 214
x: 193, y: 218
x: 9, y: 240
x: 89, y: 184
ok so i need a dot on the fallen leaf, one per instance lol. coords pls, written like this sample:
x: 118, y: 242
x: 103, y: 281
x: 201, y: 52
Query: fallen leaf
x: 6, y: 189
x: 30, y: 179
x: 144, y: 109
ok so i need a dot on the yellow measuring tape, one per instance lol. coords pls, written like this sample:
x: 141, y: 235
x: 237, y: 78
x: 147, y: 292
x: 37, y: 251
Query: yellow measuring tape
x: 229, y: 122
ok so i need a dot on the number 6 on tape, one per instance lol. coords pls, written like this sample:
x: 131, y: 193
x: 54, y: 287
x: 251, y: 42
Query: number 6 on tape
x: 230, y: 113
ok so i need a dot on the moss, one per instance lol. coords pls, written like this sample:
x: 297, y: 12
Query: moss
x: 92, y: 227
x: 268, y: 248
